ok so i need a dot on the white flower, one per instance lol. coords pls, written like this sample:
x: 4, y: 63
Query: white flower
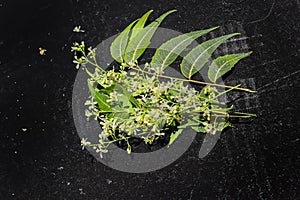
x: 144, y: 98
x: 88, y: 114
x: 131, y: 63
x: 77, y: 64
x: 84, y: 142
x: 78, y: 29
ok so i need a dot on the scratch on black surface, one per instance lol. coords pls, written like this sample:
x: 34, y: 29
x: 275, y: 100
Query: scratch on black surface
x: 275, y: 81
x: 260, y: 90
x: 212, y: 14
x: 246, y: 108
x: 191, y: 195
x: 269, y: 62
x: 264, y: 18
x: 247, y: 101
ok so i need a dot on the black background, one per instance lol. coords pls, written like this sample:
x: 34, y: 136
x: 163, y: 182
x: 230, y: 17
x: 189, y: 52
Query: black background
x: 40, y: 153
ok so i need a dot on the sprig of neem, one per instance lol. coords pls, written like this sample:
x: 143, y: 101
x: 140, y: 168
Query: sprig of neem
x: 135, y: 102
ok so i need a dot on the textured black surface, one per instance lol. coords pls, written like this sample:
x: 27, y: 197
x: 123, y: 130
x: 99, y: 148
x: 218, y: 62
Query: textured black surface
x: 40, y: 153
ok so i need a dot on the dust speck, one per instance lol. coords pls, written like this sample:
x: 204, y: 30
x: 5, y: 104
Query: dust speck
x: 81, y: 191
x: 108, y: 181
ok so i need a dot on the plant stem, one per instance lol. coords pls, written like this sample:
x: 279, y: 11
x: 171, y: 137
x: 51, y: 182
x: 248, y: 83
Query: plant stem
x: 239, y: 114
x: 232, y: 116
x: 220, y: 94
x: 88, y: 60
x: 197, y: 82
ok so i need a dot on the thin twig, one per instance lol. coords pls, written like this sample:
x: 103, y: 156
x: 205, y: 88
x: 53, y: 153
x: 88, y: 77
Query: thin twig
x: 197, y: 82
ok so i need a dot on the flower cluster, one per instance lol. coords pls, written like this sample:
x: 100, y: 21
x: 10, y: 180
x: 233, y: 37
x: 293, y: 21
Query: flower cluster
x: 142, y: 102
x: 143, y: 106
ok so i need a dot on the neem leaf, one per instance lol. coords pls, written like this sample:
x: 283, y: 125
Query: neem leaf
x: 128, y: 95
x: 118, y: 46
x: 138, y: 44
x: 223, y: 64
x: 124, y: 96
x: 121, y: 90
x: 99, y: 97
x: 140, y: 24
x: 174, y: 136
x: 167, y: 53
x: 193, y: 124
x: 199, y: 56
x: 199, y: 129
x: 219, y: 124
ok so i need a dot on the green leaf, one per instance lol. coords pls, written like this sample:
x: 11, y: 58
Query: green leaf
x: 125, y: 101
x: 121, y: 90
x: 119, y: 114
x: 167, y: 53
x: 219, y: 124
x: 99, y: 97
x: 222, y: 125
x: 223, y: 64
x: 137, y: 45
x: 195, y: 60
x: 199, y: 129
x: 118, y: 46
x: 140, y: 24
x: 205, y: 97
x: 173, y: 92
x: 128, y: 95
x: 174, y: 136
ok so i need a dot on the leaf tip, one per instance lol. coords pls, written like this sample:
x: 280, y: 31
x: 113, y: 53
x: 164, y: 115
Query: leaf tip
x: 249, y: 53
x: 244, y: 55
x: 172, y: 11
x: 150, y: 11
x: 235, y: 34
